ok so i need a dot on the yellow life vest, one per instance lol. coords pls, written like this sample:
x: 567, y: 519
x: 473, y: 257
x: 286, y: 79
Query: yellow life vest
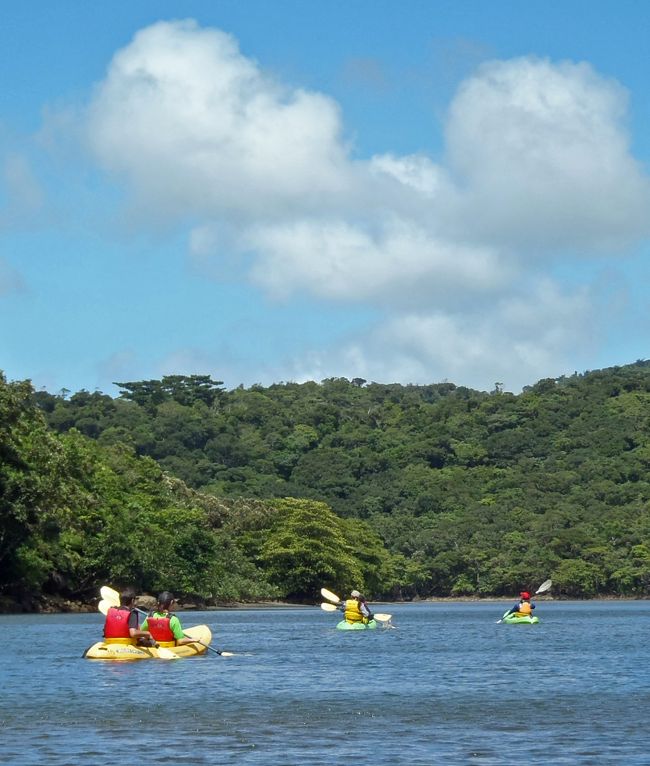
x: 352, y: 611
x: 524, y: 608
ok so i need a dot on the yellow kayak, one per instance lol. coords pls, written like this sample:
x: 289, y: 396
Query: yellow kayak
x: 121, y: 649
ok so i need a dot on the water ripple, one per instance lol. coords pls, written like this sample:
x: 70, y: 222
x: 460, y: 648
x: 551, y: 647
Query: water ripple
x: 448, y: 687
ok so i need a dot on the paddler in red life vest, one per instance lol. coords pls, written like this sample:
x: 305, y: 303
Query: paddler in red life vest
x: 165, y: 627
x: 524, y: 608
x: 121, y: 624
x: 355, y: 608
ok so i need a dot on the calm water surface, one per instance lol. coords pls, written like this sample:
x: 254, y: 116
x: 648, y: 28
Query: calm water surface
x: 448, y: 686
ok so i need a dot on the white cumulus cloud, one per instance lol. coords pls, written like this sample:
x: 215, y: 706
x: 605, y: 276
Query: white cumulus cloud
x: 198, y: 128
x: 517, y: 340
x: 542, y: 155
x: 537, y: 164
x: 392, y: 262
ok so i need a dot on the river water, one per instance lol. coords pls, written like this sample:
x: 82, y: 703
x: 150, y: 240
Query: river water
x: 447, y: 686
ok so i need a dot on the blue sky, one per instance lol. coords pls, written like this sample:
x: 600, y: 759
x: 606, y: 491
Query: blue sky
x: 270, y: 191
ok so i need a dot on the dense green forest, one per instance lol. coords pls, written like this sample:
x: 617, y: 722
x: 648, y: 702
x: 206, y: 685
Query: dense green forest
x: 271, y: 492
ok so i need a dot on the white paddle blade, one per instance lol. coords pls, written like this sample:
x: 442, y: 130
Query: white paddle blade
x: 544, y: 586
x: 108, y: 594
x: 383, y: 617
x: 328, y: 607
x: 329, y: 595
x: 104, y: 606
x: 228, y: 654
x: 167, y: 654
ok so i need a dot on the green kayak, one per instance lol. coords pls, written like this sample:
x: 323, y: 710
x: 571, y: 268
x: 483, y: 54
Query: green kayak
x: 345, y: 625
x: 513, y: 619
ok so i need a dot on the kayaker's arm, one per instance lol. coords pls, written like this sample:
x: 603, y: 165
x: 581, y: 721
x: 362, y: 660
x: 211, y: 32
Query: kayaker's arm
x: 134, y: 630
x: 177, y: 629
x: 365, y: 610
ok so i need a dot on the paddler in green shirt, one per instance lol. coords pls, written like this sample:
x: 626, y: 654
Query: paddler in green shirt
x: 164, y: 626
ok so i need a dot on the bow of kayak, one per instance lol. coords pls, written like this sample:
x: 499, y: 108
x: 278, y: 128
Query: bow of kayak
x: 345, y: 625
x: 512, y: 619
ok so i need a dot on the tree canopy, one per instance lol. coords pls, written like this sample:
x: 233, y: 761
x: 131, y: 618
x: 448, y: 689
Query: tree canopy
x: 406, y: 491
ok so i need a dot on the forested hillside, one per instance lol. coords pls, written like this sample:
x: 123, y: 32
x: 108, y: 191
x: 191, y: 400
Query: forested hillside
x: 409, y: 490
x: 75, y: 514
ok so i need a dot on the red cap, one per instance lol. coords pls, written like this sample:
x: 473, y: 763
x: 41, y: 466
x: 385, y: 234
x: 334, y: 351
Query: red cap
x: 525, y: 594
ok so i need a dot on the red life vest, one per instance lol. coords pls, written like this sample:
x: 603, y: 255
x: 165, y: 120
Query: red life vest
x: 159, y: 628
x: 117, y: 622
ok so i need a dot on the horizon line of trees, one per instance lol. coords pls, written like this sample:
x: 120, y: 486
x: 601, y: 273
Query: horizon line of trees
x: 271, y: 492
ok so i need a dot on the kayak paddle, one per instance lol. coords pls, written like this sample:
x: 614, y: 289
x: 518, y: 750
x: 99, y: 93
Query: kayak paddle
x: 112, y: 597
x: 328, y: 607
x: 329, y: 595
x: 207, y: 646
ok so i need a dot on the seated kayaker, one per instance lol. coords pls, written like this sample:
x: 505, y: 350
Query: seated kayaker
x: 355, y: 608
x: 121, y: 624
x: 523, y: 608
x: 164, y: 626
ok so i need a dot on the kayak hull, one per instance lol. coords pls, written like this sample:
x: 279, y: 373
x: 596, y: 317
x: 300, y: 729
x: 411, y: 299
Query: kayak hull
x: 511, y: 619
x: 345, y: 625
x: 120, y: 652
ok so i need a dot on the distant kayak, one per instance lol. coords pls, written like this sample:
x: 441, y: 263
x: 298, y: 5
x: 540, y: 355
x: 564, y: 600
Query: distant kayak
x: 122, y: 650
x: 345, y: 625
x: 524, y: 619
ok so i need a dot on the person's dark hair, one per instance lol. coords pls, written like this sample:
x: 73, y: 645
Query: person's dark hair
x: 165, y: 599
x: 127, y: 596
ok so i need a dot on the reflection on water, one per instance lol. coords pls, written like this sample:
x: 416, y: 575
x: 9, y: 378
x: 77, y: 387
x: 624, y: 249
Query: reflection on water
x: 448, y: 686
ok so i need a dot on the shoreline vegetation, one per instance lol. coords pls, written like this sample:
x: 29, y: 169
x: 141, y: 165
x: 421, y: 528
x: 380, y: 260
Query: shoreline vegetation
x: 65, y: 606
x: 260, y: 495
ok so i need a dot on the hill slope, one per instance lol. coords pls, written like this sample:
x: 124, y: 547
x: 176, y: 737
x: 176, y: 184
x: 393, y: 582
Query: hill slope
x: 450, y: 491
